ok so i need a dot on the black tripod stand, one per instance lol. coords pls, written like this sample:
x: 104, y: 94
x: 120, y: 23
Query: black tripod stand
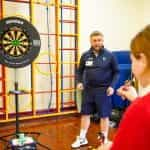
x: 15, y: 135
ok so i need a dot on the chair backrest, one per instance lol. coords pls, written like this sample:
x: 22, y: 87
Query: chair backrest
x: 123, y: 57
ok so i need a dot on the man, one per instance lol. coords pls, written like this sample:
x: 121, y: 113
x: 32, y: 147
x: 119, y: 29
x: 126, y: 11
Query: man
x: 97, y: 75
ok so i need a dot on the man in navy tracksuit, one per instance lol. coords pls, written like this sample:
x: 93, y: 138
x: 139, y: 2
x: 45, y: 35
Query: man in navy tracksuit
x: 97, y: 74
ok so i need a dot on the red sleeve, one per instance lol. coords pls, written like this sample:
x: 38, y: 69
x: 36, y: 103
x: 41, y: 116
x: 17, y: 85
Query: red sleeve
x: 134, y: 130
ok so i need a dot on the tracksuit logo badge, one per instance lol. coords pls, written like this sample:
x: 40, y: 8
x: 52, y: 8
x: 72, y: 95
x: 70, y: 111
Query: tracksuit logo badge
x: 104, y: 58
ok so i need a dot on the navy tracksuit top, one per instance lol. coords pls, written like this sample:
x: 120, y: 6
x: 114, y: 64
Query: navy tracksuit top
x: 98, y: 71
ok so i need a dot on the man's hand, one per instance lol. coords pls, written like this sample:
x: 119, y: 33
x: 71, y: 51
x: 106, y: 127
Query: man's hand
x: 110, y: 91
x: 80, y: 86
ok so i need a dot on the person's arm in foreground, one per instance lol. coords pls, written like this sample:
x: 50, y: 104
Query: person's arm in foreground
x: 133, y: 130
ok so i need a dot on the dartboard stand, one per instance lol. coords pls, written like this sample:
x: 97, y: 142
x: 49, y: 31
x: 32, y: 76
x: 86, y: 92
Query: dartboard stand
x: 16, y: 92
x: 19, y: 45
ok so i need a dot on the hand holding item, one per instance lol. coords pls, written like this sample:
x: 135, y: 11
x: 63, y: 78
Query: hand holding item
x: 127, y: 91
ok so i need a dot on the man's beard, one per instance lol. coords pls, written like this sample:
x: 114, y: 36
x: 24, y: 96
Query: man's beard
x: 97, y: 48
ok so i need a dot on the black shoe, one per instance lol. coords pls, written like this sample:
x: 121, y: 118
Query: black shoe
x: 101, y: 137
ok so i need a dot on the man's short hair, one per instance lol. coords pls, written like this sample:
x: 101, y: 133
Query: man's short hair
x: 96, y: 33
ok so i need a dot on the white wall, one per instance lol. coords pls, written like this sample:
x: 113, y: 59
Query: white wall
x: 146, y: 12
x: 119, y: 20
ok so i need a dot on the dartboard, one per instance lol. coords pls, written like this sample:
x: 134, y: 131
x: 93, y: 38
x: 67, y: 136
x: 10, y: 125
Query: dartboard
x: 19, y: 42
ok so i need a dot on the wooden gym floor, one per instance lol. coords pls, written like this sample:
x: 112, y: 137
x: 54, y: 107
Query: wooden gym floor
x: 57, y: 133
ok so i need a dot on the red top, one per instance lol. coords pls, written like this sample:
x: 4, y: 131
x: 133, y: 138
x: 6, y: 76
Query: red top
x: 134, y: 130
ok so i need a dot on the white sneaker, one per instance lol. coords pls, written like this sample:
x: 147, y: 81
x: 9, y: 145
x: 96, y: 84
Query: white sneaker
x: 79, y: 142
x: 106, y: 141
